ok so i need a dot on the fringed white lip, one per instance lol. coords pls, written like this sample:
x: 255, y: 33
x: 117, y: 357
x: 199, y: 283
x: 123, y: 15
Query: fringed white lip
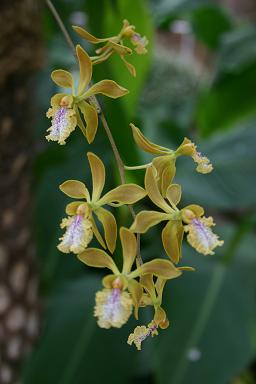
x: 63, y: 123
x: 77, y: 236
x: 201, y: 237
x: 113, y: 307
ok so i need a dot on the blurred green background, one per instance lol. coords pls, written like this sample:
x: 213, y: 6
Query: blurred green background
x: 198, y: 80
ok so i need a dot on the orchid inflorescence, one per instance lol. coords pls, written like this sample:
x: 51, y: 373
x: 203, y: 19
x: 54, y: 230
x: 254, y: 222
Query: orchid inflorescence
x: 137, y: 284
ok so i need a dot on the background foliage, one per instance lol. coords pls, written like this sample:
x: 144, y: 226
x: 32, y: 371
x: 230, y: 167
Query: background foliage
x: 212, y: 338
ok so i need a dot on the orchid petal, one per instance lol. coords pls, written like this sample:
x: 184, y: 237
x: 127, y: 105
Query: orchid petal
x: 129, y: 246
x: 124, y: 194
x: 97, y: 258
x: 160, y: 284
x: 98, y: 175
x: 85, y: 67
x: 136, y: 291
x: 108, y: 88
x: 110, y: 228
x: 147, y: 219
x: 75, y: 189
x: 145, y: 144
x: 173, y: 194
x: 129, y: 66
x: 88, y: 36
x: 158, y: 267
x: 166, y: 169
x: 62, y: 78
x: 97, y: 233
x: 160, y: 317
x: 120, y: 49
x: 148, y: 283
x: 153, y: 191
x: 172, y: 236
x: 91, y: 118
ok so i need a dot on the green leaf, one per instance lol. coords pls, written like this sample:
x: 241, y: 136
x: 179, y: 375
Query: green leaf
x: 73, y: 348
x: 212, y: 315
x: 228, y: 101
x: 231, y: 185
x: 209, y: 23
x: 237, y: 51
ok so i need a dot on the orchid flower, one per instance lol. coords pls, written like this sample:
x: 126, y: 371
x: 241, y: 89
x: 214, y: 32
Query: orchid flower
x: 121, y: 290
x: 80, y: 224
x: 165, y: 162
x: 200, y: 235
x: 66, y: 109
x: 114, y: 44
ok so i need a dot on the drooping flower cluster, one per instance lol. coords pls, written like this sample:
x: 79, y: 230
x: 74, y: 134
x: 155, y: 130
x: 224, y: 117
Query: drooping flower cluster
x: 137, y: 284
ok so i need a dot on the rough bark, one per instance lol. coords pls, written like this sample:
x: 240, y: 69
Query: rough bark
x: 20, y: 56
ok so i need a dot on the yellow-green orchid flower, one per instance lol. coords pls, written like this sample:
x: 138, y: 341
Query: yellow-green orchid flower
x: 200, y: 235
x: 121, y: 291
x: 114, y: 44
x: 80, y: 224
x: 166, y: 158
x: 153, y: 297
x: 65, y: 108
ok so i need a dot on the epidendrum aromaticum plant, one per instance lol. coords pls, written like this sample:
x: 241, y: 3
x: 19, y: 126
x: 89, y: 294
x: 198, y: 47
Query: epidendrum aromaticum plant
x: 137, y: 284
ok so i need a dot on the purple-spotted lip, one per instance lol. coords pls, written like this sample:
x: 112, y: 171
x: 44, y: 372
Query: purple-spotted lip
x: 136, y: 37
x: 58, y: 118
x: 115, y: 295
x: 200, y: 226
x: 77, y: 219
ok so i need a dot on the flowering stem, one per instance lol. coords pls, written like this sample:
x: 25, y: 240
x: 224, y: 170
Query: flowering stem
x: 62, y: 26
x: 94, y: 100
x: 133, y: 168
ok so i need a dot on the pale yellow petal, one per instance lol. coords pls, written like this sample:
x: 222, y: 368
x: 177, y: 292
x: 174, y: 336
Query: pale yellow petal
x: 166, y: 176
x: 119, y: 48
x: 108, y: 88
x: 85, y: 67
x: 129, y: 247
x: 109, y: 225
x: 124, y: 194
x: 88, y: 36
x: 148, y: 283
x: 98, y: 175
x: 62, y: 78
x: 145, y: 144
x: 97, y: 258
x: 129, y: 66
x: 91, y: 118
x: 159, y: 285
x: 147, y: 219
x: 153, y: 190
x: 172, y: 236
x: 173, y: 193
x: 75, y: 189
x: 136, y: 292
x: 158, y: 267
x: 97, y: 233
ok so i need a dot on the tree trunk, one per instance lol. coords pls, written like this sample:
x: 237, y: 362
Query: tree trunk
x: 20, y: 56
